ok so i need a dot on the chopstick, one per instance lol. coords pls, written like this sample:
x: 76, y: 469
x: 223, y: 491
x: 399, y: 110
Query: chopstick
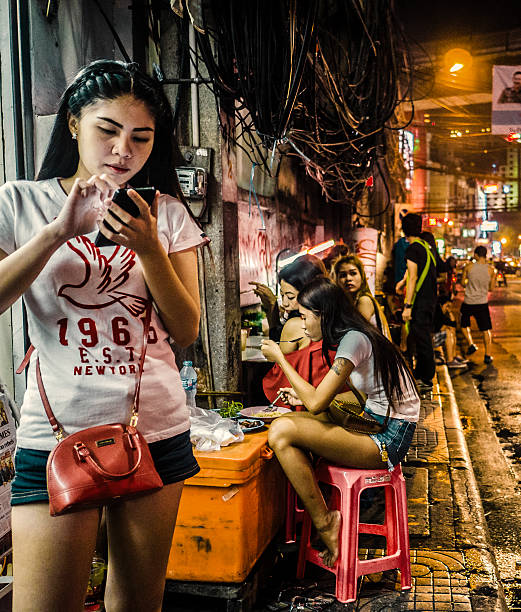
x: 294, y: 340
x: 271, y: 407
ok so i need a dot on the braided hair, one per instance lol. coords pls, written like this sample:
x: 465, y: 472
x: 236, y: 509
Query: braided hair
x: 108, y: 80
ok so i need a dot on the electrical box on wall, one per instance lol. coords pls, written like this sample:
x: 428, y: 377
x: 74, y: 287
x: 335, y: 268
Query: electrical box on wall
x: 193, y: 179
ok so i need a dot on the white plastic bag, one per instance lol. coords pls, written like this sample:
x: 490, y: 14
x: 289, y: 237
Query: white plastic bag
x: 209, y: 431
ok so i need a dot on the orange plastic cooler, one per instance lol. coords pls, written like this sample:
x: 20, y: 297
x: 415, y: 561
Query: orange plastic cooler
x: 229, y: 513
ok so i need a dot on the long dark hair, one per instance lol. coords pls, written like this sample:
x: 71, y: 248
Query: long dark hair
x: 353, y: 260
x: 107, y: 80
x: 299, y: 272
x: 338, y: 316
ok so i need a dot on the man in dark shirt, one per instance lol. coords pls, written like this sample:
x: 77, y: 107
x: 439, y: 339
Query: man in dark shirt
x: 420, y: 301
x: 512, y: 94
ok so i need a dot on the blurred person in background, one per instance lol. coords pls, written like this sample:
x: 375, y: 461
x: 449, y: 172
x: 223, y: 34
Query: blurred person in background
x: 420, y: 301
x: 478, y: 279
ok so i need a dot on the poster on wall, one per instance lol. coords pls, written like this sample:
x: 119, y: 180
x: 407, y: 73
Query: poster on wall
x: 7, y: 448
x: 255, y: 252
x: 259, y: 248
x: 364, y: 241
x: 506, y: 100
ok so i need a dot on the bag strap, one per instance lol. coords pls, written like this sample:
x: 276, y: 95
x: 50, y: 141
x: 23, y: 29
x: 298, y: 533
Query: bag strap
x: 425, y: 271
x: 146, y: 328
x: 361, y: 401
x: 423, y: 275
x: 55, y: 424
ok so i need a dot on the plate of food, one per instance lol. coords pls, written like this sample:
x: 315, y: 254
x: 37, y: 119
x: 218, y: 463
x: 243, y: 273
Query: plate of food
x: 249, y: 425
x: 265, y: 413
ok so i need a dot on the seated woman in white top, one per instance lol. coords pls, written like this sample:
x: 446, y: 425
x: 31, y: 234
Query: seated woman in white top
x: 375, y: 367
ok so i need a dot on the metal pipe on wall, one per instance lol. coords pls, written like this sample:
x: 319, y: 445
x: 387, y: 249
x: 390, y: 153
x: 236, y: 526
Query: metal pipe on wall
x: 17, y: 95
x: 194, y: 87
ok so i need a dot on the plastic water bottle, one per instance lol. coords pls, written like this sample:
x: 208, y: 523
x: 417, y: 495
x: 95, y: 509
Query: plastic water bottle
x: 189, y: 380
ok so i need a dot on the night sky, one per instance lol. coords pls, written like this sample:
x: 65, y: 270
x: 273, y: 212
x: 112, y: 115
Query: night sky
x: 439, y: 19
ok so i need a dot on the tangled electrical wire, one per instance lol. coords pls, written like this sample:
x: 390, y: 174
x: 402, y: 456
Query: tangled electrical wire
x: 322, y: 81
x: 360, y: 73
x: 261, y: 50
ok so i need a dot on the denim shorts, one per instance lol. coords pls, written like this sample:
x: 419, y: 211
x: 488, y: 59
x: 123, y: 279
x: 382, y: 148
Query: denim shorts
x: 173, y: 459
x: 397, y: 438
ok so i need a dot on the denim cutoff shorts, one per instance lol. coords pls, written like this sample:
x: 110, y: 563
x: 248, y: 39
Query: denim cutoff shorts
x: 173, y: 459
x: 397, y: 438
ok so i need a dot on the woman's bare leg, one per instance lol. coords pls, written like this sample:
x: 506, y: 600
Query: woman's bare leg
x: 291, y: 437
x: 140, y: 535
x: 51, y: 558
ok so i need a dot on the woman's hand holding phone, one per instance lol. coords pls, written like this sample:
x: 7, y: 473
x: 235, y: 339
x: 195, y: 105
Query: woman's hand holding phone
x: 130, y: 220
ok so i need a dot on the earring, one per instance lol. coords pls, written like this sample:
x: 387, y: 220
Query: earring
x: 74, y: 136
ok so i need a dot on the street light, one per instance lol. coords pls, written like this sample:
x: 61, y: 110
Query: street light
x: 503, y: 241
x: 457, y: 59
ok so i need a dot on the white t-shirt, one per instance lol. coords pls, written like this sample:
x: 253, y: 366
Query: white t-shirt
x: 356, y: 347
x: 82, y: 313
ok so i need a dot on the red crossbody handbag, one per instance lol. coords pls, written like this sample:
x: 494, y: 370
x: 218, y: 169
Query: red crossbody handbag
x: 98, y: 465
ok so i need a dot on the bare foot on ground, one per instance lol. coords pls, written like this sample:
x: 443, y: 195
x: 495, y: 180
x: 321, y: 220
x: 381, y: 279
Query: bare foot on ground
x: 329, y: 535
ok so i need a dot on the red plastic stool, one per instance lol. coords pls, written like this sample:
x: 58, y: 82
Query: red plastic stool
x: 349, y: 483
x: 294, y: 514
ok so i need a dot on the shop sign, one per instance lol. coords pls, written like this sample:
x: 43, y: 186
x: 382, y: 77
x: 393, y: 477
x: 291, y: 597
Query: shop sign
x: 489, y: 226
x: 364, y: 243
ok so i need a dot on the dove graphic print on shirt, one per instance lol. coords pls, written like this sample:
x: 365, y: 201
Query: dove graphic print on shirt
x: 84, y: 314
x: 104, y: 275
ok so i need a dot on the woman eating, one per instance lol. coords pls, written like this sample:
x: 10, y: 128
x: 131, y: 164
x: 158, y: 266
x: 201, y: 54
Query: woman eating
x: 369, y: 362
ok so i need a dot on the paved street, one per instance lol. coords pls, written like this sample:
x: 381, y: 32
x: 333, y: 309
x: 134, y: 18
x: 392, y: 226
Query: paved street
x: 489, y: 400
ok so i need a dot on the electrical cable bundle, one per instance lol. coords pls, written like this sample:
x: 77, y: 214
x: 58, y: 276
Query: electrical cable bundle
x: 360, y: 74
x: 255, y: 53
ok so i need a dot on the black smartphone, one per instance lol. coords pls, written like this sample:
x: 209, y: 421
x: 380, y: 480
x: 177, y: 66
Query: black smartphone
x: 123, y: 200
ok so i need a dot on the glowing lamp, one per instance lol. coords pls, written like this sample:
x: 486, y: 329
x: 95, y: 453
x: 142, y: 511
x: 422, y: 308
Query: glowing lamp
x: 321, y: 247
x: 456, y: 67
x: 457, y: 59
x: 433, y: 221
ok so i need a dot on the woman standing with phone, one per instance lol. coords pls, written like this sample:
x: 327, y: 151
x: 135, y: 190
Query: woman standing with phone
x: 85, y: 305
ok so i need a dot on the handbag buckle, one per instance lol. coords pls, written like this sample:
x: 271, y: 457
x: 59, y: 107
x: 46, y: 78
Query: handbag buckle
x: 133, y: 420
x: 82, y: 451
